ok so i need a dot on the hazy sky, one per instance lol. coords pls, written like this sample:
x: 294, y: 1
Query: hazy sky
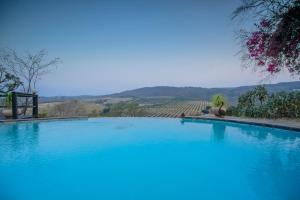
x: 110, y: 46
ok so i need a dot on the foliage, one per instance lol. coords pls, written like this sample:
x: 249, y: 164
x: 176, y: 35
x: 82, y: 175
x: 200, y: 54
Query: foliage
x: 274, y: 45
x: 28, y: 68
x: 232, y: 111
x: 247, y: 100
x: 252, y: 98
x: 219, y: 100
x: 43, y: 114
x: 259, y: 104
x: 261, y: 93
x: 70, y: 108
x: 8, y: 81
x: 8, y: 99
x: 284, y: 104
x: 123, y: 109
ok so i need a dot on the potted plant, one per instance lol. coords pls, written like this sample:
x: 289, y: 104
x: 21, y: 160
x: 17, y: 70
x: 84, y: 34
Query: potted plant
x: 219, y: 101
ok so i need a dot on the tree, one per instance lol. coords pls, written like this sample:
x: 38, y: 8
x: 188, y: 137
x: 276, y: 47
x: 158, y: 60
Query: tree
x: 219, y: 100
x: 261, y: 93
x: 276, y: 105
x: 29, y: 68
x: 247, y: 100
x: 8, y: 82
x: 274, y: 45
x: 252, y: 97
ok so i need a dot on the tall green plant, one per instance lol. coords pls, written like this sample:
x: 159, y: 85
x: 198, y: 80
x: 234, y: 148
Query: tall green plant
x: 8, y: 99
x: 219, y: 100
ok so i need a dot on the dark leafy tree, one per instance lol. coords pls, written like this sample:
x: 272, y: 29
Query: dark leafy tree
x: 257, y: 103
x: 247, y: 100
x: 261, y: 94
x: 8, y: 82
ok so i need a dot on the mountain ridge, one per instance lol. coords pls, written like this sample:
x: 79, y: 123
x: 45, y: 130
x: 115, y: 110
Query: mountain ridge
x: 193, y: 93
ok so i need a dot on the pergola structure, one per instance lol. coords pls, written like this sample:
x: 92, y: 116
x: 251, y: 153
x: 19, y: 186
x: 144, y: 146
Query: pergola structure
x: 15, y: 106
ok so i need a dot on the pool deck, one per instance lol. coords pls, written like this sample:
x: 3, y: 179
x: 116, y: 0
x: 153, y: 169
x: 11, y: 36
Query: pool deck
x: 274, y: 123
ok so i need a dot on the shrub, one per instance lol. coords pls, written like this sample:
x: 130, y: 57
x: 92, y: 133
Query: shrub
x: 259, y: 104
x: 71, y: 108
x: 232, y: 111
x: 123, y: 109
x: 219, y: 100
x: 8, y: 99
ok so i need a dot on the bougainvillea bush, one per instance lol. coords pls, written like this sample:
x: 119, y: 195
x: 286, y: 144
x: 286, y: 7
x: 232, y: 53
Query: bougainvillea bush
x: 273, y: 45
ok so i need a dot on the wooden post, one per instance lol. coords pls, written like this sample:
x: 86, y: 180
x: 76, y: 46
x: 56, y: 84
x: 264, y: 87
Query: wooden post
x: 35, y: 106
x: 14, y: 107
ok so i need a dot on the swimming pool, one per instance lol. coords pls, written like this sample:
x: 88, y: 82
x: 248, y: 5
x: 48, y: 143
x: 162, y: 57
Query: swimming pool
x: 147, y: 158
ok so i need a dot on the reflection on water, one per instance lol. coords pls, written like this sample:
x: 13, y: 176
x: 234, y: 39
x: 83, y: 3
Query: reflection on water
x: 218, y: 131
x: 18, y: 139
x: 258, y: 132
x: 278, y: 167
x: 273, y: 172
x: 278, y: 171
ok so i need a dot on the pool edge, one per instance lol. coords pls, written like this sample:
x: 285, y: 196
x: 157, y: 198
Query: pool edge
x: 248, y: 121
x: 43, y: 119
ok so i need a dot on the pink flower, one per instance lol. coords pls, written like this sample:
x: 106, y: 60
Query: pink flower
x: 260, y: 63
x: 272, y: 68
x: 256, y: 44
x: 264, y: 23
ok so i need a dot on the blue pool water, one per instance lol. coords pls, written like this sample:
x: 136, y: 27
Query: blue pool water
x: 147, y: 158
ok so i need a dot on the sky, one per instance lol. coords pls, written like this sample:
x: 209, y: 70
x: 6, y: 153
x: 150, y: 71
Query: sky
x: 110, y: 46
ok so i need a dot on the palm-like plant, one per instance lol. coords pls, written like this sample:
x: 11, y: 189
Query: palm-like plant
x: 219, y: 101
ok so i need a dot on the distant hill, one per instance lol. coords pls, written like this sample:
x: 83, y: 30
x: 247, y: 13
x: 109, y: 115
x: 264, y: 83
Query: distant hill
x: 232, y: 93
x: 188, y: 93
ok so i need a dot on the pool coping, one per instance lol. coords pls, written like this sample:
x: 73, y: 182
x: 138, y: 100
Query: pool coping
x: 282, y: 124
x: 43, y: 119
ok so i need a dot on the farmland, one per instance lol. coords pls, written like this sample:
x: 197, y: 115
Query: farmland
x: 129, y: 108
x: 176, y: 109
x: 154, y: 107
